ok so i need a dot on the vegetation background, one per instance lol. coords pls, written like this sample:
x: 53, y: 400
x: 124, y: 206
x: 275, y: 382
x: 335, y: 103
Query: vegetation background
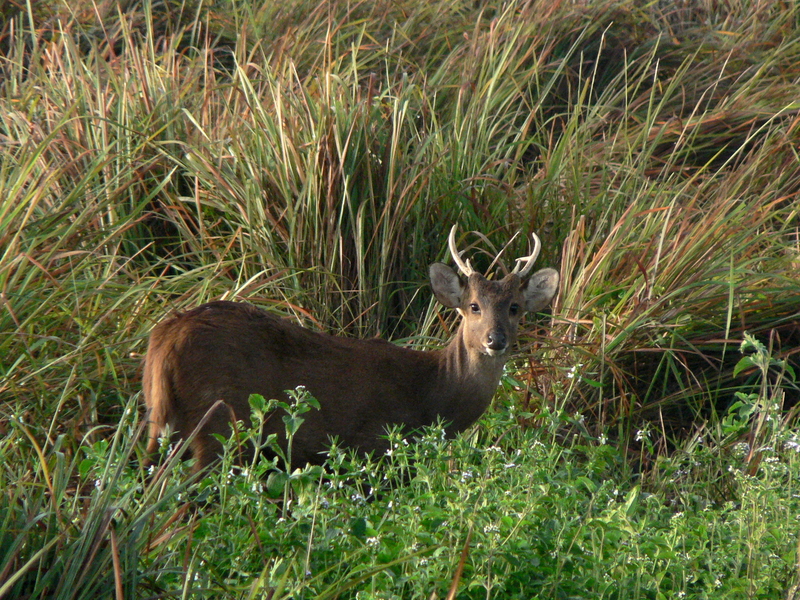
x: 310, y: 157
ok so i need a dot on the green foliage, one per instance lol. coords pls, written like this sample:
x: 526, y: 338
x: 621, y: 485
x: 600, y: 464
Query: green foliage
x: 310, y: 157
x: 524, y: 514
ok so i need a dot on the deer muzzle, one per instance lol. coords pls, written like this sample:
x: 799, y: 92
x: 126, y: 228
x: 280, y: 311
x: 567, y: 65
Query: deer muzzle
x: 496, y: 342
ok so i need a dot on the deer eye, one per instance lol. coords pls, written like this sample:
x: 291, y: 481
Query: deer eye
x: 513, y: 309
x: 475, y: 308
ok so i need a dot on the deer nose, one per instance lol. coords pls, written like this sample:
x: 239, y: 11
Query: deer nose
x: 496, y: 340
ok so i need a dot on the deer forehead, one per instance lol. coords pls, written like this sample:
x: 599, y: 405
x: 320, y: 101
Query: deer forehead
x: 493, y: 293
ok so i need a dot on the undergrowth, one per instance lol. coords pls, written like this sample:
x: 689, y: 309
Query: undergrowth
x: 503, y: 512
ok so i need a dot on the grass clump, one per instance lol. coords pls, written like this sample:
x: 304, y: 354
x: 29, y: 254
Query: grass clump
x: 311, y: 158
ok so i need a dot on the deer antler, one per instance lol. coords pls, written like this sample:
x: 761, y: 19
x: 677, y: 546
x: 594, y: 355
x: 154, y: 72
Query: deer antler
x: 463, y: 266
x: 525, y: 263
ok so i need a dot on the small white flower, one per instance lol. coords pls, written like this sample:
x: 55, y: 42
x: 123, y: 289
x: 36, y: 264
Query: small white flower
x: 372, y: 542
x: 602, y: 440
x: 792, y: 444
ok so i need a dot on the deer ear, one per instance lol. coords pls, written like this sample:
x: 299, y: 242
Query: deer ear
x: 540, y: 289
x: 446, y: 284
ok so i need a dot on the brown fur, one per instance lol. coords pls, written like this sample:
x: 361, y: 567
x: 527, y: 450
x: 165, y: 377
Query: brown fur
x: 227, y: 351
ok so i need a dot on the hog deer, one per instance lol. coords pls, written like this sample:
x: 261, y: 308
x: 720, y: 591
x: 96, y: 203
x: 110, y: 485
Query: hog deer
x: 229, y: 350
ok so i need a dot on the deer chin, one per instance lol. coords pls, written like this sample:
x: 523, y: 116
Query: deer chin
x: 492, y: 352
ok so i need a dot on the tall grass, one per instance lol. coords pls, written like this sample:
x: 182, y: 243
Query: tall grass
x: 310, y: 157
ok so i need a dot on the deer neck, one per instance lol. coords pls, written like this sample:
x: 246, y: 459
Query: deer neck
x: 470, y: 378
